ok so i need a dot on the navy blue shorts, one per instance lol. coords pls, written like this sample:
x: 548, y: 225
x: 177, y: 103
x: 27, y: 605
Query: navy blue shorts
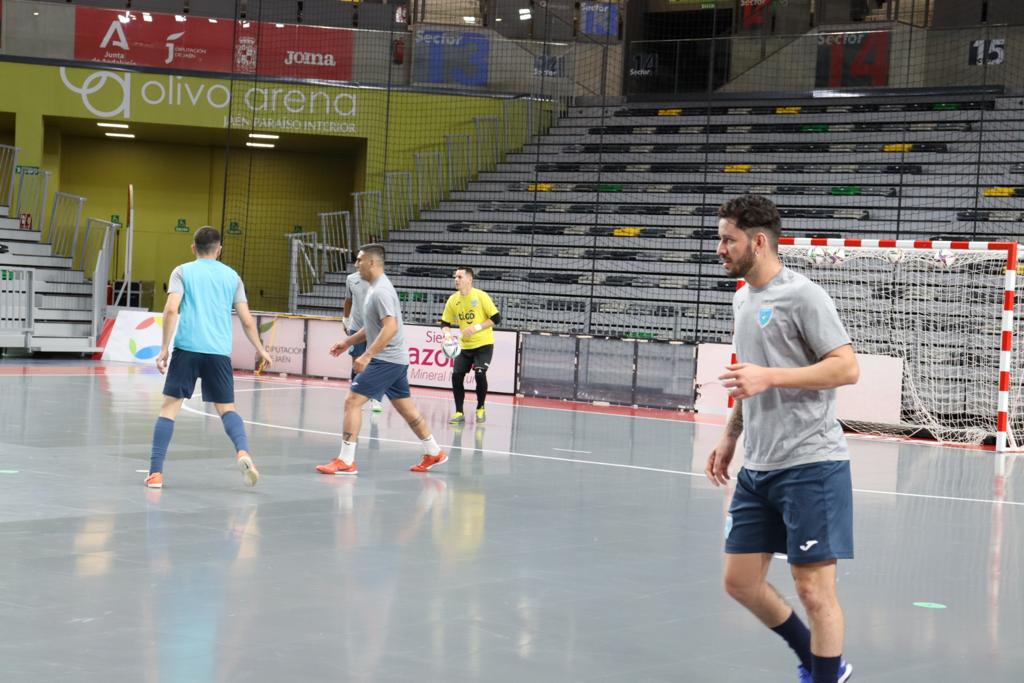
x: 381, y: 378
x: 213, y: 369
x: 356, y: 350
x: 805, y: 512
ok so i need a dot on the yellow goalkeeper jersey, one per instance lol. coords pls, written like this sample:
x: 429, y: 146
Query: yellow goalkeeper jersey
x: 468, y: 310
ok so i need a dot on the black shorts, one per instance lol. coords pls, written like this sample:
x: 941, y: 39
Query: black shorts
x: 480, y: 358
x: 213, y: 369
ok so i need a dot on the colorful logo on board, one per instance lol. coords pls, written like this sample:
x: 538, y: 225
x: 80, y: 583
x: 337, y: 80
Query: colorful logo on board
x: 145, y: 350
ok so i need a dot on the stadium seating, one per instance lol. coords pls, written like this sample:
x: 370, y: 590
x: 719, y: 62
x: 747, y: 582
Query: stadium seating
x: 607, y: 224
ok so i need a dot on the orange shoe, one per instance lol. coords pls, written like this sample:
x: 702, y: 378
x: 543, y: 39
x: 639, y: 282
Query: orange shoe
x: 155, y: 481
x: 429, y: 461
x: 337, y: 466
x: 248, y: 468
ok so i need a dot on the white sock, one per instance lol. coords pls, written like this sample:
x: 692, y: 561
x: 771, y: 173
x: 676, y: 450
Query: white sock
x: 348, y: 452
x: 430, y: 445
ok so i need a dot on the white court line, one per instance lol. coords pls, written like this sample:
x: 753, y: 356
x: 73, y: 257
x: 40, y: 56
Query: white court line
x: 444, y: 398
x: 599, y: 463
x: 569, y: 450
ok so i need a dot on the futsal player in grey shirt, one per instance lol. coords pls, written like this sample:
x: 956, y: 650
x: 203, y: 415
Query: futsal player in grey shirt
x: 793, y: 494
x: 381, y: 370
x: 355, y: 299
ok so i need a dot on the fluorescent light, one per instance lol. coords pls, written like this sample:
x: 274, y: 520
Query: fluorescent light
x: 120, y: 135
x: 112, y: 125
x: 524, y: 10
x: 279, y: 25
x: 179, y: 18
x: 212, y: 21
x: 469, y: 20
x: 524, y: 15
x: 265, y: 145
x: 35, y: 14
x: 264, y: 136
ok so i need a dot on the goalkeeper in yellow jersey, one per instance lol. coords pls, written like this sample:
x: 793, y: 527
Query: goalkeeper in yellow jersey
x: 476, y: 315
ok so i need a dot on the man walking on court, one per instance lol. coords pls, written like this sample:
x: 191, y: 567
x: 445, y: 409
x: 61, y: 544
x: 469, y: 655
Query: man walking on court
x: 382, y: 369
x: 793, y: 494
x: 476, y: 315
x: 355, y: 296
x: 200, y: 296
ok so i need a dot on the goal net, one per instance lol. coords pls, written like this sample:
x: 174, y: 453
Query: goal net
x: 946, y: 310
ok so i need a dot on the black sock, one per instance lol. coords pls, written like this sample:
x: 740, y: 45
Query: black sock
x: 459, y: 390
x: 825, y: 669
x: 481, y: 389
x: 794, y: 632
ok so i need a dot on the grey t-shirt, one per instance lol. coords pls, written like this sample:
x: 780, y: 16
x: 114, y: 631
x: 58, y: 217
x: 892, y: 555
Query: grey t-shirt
x: 790, y: 322
x: 382, y: 301
x: 357, y: 289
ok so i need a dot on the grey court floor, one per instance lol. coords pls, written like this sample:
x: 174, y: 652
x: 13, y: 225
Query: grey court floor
x: 555, y: 545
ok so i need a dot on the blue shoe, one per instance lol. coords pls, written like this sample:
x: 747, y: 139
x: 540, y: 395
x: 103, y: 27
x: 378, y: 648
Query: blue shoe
x: 845, y: 671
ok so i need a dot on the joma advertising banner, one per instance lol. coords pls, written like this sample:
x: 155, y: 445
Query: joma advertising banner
x: 216, y: 45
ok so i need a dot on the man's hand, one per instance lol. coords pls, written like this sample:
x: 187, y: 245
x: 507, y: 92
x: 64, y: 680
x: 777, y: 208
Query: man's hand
x: 265, y: 360
x: 744, y: 380
x: 161, y: 360
x: 468, y: 331
x: 359, y: 364
x: 340, y: 347
x: 717, y: 469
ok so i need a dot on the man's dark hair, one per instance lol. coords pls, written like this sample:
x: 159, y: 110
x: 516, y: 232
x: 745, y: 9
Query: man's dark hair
x: 467, y: 270
x: 753, y: 213
x: 374, y: 250
x: 206, y: 240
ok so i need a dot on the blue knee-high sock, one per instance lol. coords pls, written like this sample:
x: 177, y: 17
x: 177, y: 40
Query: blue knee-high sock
x: 162, y: 432
x: 794, y: 632
x: 826, y: 669
x: 235, y: 429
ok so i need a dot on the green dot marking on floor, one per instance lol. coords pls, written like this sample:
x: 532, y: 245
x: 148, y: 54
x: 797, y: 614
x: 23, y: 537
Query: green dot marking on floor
x: 8, y: 471
x: 929, y: 605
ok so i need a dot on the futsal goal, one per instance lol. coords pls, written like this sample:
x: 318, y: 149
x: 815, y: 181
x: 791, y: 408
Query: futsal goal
x: 946, y: 310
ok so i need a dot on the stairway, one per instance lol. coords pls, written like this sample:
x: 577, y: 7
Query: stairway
x: 63, y: 297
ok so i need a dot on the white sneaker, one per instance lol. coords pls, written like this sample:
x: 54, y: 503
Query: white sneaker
x: 376, y: 406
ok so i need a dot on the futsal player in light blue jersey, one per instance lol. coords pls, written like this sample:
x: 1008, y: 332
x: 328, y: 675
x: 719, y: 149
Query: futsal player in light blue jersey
x: 200, y: 296
x: 794, y: 493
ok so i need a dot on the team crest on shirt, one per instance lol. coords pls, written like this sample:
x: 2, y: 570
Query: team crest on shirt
x: 764, y: 316
x: 473, y: 303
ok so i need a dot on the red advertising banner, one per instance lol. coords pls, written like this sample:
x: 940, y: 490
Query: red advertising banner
x: 203, y: 44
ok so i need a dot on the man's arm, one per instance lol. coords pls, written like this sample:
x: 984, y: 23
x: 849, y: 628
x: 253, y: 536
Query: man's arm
x: 837, y: 368
x: 170, y: 325
x: 252, y: 332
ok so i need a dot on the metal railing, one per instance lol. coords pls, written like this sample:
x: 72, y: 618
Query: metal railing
x: 370, y: 222
x: 17, y: 299
x: 62, y: 232
x: 460, y: 161
x: 95, y: 259
x: 8, y: 166
x: 30, y: 198
x: 430, y: 188
x: 305, y: 266
x: 488, y: 142
x: 337, y: 241
x: 398, y: 199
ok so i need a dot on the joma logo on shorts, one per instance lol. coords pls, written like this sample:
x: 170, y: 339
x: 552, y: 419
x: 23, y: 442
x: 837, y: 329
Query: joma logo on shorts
x: 311, y: 58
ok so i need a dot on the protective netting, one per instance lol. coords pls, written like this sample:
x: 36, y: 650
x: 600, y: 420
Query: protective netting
x: 937, y: 310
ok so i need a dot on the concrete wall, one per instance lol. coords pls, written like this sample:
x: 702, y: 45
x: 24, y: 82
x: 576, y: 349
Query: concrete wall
x: 38, y: 29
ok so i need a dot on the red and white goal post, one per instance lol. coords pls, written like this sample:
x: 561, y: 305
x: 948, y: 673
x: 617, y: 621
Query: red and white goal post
x: 946, y: 309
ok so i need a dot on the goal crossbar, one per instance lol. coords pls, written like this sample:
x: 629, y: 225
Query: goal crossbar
x: 950, y: 250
